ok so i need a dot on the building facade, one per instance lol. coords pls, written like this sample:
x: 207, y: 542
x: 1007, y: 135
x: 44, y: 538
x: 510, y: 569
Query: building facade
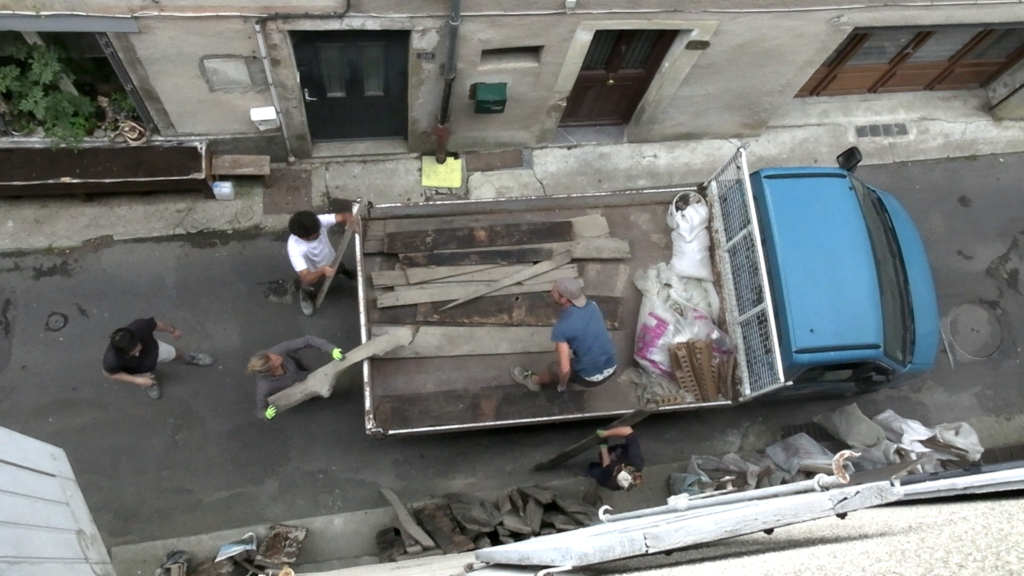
x: 359, y: 77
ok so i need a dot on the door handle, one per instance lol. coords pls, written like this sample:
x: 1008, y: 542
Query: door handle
x: 305, y: 94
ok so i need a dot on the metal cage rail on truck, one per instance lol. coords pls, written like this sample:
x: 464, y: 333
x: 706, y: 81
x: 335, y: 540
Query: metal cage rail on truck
x: 743, y: 275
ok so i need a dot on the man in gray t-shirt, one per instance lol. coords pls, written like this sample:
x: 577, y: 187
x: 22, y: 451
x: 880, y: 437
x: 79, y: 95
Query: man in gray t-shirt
x: 581, y: 330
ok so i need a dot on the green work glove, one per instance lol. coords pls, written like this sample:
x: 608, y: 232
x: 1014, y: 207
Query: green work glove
x: 271, y: 412
x: 600, y: 434
x: 603, y: 445
x: 337, y: 354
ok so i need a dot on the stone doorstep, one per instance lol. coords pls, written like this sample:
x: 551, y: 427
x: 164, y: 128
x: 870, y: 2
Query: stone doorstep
x: 347, y: 539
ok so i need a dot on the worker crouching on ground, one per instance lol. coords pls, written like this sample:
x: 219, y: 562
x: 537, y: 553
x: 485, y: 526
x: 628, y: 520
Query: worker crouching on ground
x: 277, y: 369
x: 311, y: 252
x: 621, y: 465
x: 581, y: 330
x: 133, y: 354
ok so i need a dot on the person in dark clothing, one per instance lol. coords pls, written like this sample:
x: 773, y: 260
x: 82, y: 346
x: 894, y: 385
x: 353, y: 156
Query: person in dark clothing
x: 133, y: 354
x: 621, y: 465
x: 277, y: 369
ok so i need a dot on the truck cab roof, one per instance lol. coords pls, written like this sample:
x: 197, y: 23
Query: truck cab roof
x: 825, y: 279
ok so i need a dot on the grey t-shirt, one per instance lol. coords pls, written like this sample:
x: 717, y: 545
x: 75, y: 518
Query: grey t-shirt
x: 267, y: 386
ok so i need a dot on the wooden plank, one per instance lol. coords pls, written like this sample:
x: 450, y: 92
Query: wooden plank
x: 586, y: 249
x: 438, y: 521
x: 436, y: 341
x: 28, y: 483
x: 321, y: 382
x: 482, y: 236
x: 479, y: 273
x: 591, y: 441
x: 590, y: 226
x: 239, y: 165
x: 486, y: 256
x: 30, y: 453
x: 565, y: 271
x: 448, y: 293
x: 537, y: 269
x: 388, y: 278
x: 373, y: 240
x: 406, y: 522
x: 513, y: 310
x: 17, y: 509
x: 350, y: 229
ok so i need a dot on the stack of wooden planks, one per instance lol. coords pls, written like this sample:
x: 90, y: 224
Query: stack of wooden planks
x: 483, y: 282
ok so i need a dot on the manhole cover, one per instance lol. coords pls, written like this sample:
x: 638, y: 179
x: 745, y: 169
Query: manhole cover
x: 975, y: 330
x: 56, y: 321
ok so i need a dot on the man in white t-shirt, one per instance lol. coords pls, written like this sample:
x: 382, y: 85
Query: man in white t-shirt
x: 311, y: 252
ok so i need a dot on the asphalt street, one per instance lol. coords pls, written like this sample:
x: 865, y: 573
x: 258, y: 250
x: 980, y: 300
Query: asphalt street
x: 198, y: 460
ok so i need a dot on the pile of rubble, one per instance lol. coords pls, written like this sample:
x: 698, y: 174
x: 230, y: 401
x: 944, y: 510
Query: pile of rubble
x: 462, y: 522
x: 886, y: 440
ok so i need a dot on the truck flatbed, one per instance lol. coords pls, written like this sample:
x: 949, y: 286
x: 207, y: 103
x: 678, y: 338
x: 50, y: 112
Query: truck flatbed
x: 417, y: 395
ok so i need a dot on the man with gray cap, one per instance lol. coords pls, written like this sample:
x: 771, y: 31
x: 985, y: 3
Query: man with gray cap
x: 581, y: 330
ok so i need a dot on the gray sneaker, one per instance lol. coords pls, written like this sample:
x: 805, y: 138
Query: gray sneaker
x: 525, y: 377
x: 197, y: 359
x: 306, y: 303
x: 153, y: 391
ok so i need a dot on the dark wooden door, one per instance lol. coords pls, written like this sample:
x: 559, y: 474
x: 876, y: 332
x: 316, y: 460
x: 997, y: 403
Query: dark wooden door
x: 354, y: 83
x: 616, y: 73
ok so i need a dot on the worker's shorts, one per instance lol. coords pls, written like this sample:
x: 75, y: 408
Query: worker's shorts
x: 575, y: 378
x: 166, y: 353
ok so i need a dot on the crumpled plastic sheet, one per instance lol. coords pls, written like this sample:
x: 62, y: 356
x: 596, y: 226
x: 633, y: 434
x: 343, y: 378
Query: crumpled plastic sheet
x: 890, y: 439
x: 800, y: 453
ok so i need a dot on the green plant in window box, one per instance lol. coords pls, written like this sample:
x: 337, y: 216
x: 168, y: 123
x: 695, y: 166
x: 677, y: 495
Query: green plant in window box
x: 31, y: 89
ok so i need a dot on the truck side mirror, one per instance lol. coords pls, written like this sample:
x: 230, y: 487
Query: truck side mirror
x: 849, y: 159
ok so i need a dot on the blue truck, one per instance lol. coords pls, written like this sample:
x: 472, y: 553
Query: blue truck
x: 824, y: 285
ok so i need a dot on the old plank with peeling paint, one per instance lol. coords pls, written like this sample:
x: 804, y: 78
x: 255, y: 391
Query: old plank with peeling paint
x: 482, y: 236
x: 586, y: 249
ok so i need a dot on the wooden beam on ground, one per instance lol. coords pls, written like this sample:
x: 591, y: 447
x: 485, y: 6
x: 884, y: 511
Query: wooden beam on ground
x: 591, y: 441
x: 556, y: 261
x: 482, y: 236
x: 437, y: 341
x: 350, y: 228
x: 405, y: 521
x: 388, y: 278
x: 514, y: 310
x: 448, y: 293
x: 321, y: 382
x: 240, y: 165
x: 586, y: 249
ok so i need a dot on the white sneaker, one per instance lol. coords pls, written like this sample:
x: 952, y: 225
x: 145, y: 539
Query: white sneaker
x: 525, y: 377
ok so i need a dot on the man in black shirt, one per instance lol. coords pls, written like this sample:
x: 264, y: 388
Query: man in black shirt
x: 620, y: 465
x: 133, y: 354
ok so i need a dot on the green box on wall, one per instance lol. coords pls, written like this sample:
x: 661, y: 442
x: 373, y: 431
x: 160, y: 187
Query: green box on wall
x: 490, y: 97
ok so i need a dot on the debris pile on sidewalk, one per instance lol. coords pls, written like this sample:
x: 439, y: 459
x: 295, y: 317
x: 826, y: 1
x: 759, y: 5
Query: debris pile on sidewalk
x: 885, y: 440
x: 461, y: 522
x: 274, y: 557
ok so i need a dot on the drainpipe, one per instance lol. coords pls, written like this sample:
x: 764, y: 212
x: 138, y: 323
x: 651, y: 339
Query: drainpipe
x: 442, y: 131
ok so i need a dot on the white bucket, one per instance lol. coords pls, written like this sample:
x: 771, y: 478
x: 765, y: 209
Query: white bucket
x: 224, y: 190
